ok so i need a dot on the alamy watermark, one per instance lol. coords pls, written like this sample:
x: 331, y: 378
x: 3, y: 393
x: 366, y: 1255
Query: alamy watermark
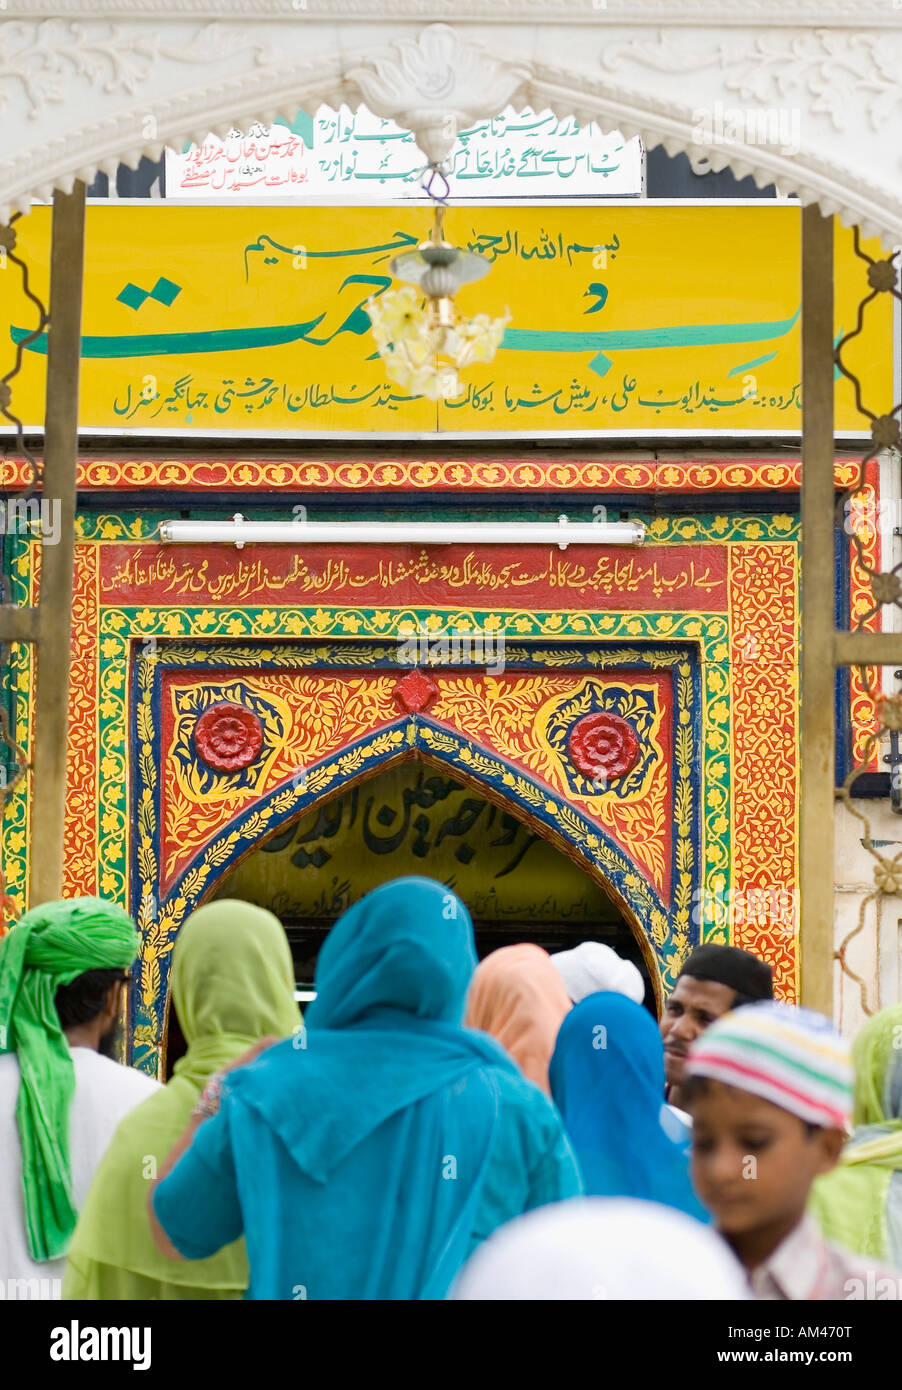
x: 479, y: 647
x: 31, y: 516
x: 866, y: 516
x: 772, y: 905
x: 77, y: 1343
x: 780, y: 126
x: 876, y: 1286
x: 36, y: 1287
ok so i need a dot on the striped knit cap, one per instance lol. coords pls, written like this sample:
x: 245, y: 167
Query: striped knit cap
x: 792, y: 1057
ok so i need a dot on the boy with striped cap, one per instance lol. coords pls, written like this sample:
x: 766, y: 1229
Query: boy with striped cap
x: 769, y: 1087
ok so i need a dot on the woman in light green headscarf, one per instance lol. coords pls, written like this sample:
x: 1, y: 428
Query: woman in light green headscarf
x: 232, y: 984
x: 859, y: 1204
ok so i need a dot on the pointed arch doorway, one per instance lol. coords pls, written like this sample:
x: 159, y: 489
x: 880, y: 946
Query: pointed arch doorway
x: 415, y: 818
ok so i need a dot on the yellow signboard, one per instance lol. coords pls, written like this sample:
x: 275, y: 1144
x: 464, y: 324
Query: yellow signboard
x: 636, y: 319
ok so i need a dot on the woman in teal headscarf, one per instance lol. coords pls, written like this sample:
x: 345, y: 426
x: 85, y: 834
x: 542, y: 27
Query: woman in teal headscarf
x: 232, y: 984
x: 367, y: 1158
x: 859, y: 1203
x: 607, y: 1079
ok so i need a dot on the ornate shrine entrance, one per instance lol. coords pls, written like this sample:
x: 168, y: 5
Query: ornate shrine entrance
x: 627, y: 720
x: 189, y: 74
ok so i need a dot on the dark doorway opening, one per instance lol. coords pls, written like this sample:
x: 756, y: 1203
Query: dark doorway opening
x: 415, y: 819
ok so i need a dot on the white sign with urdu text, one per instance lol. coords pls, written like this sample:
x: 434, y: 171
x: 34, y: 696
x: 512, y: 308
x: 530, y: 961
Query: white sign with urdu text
x: 361, y: 157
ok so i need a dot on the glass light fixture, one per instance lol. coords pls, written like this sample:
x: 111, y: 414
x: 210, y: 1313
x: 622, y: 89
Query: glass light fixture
x: 420, y: 337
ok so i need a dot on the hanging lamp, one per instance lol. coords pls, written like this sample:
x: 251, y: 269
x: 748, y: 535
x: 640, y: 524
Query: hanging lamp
x: 421, y: 338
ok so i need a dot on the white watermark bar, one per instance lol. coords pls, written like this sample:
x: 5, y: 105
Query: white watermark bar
x: 240, y: 532
x: 39, y: 517
x: 31, y: 1287
x: 477, y: 647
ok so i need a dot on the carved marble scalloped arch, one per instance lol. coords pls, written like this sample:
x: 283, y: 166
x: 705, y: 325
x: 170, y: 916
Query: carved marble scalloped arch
x: 637, y: 13
x: 810, y: 176
x: 137, y: 85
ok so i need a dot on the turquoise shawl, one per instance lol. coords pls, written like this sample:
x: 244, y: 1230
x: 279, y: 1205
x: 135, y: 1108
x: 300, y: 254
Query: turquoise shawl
x: 607, y: 1080
x: 378, y: 1123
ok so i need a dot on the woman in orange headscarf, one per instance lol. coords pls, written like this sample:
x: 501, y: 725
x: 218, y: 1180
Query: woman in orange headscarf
x: 518, y: 997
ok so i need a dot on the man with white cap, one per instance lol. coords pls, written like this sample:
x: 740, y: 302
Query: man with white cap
x: 593, y: 967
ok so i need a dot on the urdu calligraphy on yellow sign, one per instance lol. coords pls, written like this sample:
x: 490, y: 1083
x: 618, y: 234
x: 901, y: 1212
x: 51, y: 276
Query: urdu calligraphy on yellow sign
x: 640, y: 319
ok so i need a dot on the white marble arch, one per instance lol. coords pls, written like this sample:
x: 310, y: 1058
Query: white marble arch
x: 86, y: 84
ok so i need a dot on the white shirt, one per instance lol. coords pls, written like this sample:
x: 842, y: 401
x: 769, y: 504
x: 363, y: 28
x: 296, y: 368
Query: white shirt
x: 104, y: 1092
x: 804, y: 1267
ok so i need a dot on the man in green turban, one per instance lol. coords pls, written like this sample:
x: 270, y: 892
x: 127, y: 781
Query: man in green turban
x: 62, y: 971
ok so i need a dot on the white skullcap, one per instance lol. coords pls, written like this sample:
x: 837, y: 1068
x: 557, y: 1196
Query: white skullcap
x: 593, y: 967
x: 602, y: 1248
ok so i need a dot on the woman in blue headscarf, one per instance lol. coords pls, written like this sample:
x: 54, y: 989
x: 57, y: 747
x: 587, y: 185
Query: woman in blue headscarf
x: 607, y: 1080
x: 369, y: 1154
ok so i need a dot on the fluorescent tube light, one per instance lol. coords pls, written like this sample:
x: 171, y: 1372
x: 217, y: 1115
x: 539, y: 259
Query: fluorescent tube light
x: 240, y: 532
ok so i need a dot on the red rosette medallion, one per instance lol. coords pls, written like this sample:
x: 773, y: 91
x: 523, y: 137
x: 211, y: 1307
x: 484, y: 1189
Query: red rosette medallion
x: 415, y: 692
x: 603, y: 746
x: 228, y: 737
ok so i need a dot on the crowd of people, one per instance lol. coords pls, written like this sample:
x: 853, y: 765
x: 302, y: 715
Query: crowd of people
x: 434, y: 1127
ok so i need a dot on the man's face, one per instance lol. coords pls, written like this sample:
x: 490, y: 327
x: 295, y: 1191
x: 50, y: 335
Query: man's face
x: 110, y: 1044
x: 693, y: 1007
x: 752, y: 1163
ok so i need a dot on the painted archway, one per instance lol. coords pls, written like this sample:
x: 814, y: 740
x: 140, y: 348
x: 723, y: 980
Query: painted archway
x: 143, y: 75
x: 161, y: 906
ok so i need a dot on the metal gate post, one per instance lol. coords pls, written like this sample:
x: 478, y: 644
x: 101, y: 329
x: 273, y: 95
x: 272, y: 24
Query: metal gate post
x: 818, y: 580
x: 54, y: 612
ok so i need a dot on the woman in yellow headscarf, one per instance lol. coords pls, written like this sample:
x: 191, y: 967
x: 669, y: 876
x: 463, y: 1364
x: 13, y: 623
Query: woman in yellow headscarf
x: 859, y: 1203
x: 232, y: 984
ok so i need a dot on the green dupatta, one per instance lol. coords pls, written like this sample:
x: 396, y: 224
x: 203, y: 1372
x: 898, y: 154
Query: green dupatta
x: 858, y: 1203
x: 51, y: 946
x: 232, y: 983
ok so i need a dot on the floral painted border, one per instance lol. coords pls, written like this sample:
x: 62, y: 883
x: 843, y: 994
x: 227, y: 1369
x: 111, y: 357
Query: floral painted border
x: 667, y: 934
x: 704, y: 474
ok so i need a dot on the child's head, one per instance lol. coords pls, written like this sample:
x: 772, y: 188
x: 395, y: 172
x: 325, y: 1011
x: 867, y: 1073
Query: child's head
x: 770, y: 1091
